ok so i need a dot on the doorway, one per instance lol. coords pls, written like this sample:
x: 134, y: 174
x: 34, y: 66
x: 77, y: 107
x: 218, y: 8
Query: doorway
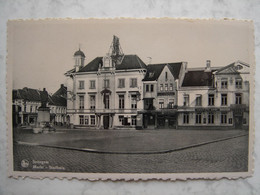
x: 238, y: 122
x: 106, y: 121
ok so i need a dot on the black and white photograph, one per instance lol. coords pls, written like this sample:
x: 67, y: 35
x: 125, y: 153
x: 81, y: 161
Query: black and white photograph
x: 131, y: 98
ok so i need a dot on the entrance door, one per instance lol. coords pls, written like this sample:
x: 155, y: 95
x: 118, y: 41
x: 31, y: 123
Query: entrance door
x: 106, y: 121
x: 238, y: 122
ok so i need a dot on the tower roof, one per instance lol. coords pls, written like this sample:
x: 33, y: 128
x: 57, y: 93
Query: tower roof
x: 79, y: 53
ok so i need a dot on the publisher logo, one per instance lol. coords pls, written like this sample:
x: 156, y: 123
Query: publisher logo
x: 25, y: 163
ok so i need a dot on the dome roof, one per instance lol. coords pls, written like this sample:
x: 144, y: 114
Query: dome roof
x: 79, y: 53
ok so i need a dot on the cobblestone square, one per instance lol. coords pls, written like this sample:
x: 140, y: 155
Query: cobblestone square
x: 155, y: 151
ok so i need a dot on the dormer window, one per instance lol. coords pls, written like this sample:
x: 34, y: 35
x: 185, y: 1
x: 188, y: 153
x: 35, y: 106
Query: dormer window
x: 151, y: 74
x: 239, y: 67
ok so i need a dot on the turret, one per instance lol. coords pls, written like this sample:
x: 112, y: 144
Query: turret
x: 79, y: 58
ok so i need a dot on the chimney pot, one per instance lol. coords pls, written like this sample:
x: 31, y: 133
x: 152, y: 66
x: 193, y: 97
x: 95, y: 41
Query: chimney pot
x: 208, y: 64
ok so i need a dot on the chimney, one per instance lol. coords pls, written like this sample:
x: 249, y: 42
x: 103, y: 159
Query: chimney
x: 61, y: 85
x: 208, y: 63
x: 185, y: 64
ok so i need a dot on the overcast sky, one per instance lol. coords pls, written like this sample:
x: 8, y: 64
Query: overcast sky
x: 42, y: 51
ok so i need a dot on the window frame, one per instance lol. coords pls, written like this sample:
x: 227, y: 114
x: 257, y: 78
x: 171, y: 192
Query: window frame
x: 121, y: 101
x: 224, y: 99
x: 92, y: 84
x: 81, y: 102
x: 133, y: 82
x: 211, y: 100
x: 238, y: 99
x: 211, y: 118
x: 81, y: 84
x: 121, y: 83
x: 198, y: 118
x: 106, y: 83
x: 186, y: 118
x: 198, y: 101
x: 238, y: 84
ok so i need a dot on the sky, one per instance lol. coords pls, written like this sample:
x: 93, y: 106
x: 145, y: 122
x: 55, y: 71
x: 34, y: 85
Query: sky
x: 42, y: 51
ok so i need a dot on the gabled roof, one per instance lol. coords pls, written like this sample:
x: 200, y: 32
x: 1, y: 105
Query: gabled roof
x: 34, y: 95
x: 200, y: 78
x: 93, y: 65
x: 128, y: 62
x: 233, y: 68
x: 27, y: 94
x: 154, y: 70
x: 59, y: 97
x: 62, y: 91
x: 131, y: 62
x: 58, y: 100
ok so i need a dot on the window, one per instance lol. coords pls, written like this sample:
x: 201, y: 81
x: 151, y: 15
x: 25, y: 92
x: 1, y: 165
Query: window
x: 81, y: 84
x: 121, y: 83
x: 198, y: 118
x: 133, y: 120
x: 211, y: 118
x: 92, y: 102
x: 198, y: 100
x: 148, y: 104
x: 230, y: 121
x: 238, y: 98
x: 133, y: 102
x: 161, y: 87
x: 92, y: 84
x: 171, y: 103
x: 171, y: 87
x: 161, y: 103
x: 147, y: 88
x: 133, y: 82
x: 31, y: 108
x: 151, y: 74
x: 106, y: 83
x: 92, y: 120
x: 151, y: 87
x: 121, y: 101
x: 24, y: 108
x: 223, y: 99
x: 224, y: 84
x: 186, y: 100
x: 81, y: 102
x: 166, y: 76
x: 166, y: 87
x: 106, y: 101
x: 211, y: 99
x: 81, y: 119
x: 86, y: 120
x: 239, y: 83
x: 223, y: 118
x: 121, y: 119
x: 185, y: 118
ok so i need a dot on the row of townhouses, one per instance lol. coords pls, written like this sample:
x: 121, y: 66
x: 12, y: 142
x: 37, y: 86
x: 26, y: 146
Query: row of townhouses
x: 26, y: 102
x: 121, y: 91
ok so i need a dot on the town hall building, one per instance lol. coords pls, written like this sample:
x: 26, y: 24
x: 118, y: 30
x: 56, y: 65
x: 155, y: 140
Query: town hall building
x: 121, y: 91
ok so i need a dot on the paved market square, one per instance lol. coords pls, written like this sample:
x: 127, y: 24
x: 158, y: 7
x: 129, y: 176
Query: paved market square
x: 131, y: 151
